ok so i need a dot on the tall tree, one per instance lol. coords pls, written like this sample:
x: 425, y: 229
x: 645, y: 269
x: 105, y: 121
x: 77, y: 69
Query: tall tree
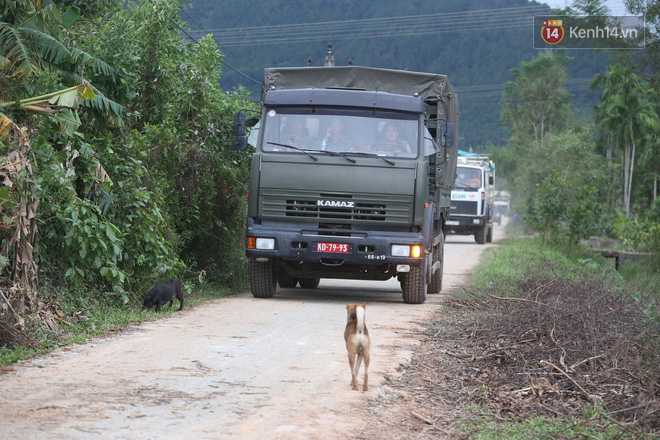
x: 537, y: 102
x: 627, y: 114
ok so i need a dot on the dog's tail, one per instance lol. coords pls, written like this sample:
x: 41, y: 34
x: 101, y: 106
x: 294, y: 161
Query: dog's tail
x: 359, y: 314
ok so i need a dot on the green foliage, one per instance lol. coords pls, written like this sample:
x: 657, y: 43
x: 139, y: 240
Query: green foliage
x: 549, y: 206
x: 583, y: 214
x: 91, y: 243
x: 537, y: 102
x: 627, y: 118
x: 637, y: 234
x: 180, y: 129
x: 558, y: 213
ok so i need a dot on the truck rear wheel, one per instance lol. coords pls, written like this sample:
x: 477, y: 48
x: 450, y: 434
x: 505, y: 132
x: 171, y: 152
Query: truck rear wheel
x: 287, y: 281
x: 480, y: 236
x: 435, y: 286
x: 262, y: 278
x: 489, y: 235
x: 309, y: 283
x: 413, y: 285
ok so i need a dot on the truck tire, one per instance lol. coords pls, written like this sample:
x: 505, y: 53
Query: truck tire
x: 286, y: 281
x: 489, y: 235
x: 435, y: 285
x: 262, y: 278
x: 413, y: 285
x: 480, y: 236
x: 309, y: 283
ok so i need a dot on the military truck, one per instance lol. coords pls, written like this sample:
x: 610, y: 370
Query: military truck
x: 350, y: 177
x: 472, y: 198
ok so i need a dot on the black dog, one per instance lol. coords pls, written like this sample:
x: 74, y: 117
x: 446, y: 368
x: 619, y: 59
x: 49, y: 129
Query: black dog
x: 161, y: 293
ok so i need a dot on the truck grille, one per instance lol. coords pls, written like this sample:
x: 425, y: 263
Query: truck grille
x: 367, y: 208
x: 462, y: 207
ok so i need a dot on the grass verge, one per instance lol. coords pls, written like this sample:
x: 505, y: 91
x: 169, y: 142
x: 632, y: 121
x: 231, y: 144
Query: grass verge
x: 79, y: 316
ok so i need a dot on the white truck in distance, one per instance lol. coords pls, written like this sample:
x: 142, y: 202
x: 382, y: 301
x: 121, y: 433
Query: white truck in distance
x: 472, y: 199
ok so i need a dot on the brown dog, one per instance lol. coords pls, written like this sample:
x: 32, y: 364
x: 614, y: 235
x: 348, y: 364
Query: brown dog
x: 357, y: 340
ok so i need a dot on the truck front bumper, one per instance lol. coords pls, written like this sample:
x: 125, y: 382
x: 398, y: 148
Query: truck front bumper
x: 464, y: 225
x: 322, y: 247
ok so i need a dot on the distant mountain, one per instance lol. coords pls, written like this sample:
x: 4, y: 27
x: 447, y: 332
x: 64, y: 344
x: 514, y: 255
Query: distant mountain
x: 474, y: 43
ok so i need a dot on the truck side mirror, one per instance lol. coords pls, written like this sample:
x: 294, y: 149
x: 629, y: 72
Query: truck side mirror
x: 251, y: 121
x: 239, y: 143
x: 239, y: 123
x: 447, y: 134
x: 491, y: 180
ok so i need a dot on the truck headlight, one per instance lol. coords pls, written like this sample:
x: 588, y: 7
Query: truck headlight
x: 400, y: 250
x: 265, y: 243
x: 260, y: 243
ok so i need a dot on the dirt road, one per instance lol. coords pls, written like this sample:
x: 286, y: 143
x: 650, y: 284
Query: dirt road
x: 235, y: 368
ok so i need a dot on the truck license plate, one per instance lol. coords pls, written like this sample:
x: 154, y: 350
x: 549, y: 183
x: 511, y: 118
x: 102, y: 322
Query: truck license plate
x: 451, y: 223
x: 340, y: 248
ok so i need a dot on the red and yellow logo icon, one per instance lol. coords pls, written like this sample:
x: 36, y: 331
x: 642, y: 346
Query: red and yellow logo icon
x: 552, y: 31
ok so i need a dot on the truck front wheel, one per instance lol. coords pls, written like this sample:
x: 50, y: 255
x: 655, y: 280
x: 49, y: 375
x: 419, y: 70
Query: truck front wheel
x: 489, y: 235
x: 480, y: 236
x: 262, y: 278
x: 413, y: 284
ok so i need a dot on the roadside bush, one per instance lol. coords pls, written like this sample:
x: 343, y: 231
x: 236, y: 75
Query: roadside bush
x: 107, y: 232
x: 549, y: 206
x: 638, y: 235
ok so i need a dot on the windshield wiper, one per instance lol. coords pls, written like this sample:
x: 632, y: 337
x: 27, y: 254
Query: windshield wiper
x: 293, y: 148
x: 465, y: 186
x: 334, y: 153
x: 362, y: 153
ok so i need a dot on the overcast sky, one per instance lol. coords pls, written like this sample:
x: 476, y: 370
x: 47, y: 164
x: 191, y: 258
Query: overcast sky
x: 616, y: 6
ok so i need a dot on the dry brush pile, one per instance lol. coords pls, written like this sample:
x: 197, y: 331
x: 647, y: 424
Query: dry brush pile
x: 551, y: 350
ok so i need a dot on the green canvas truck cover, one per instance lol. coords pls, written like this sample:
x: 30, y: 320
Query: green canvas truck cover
x: 428, y: 86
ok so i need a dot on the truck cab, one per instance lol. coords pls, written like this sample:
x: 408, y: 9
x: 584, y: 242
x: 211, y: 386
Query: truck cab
x: 348, y: 182
x: 472, y: 199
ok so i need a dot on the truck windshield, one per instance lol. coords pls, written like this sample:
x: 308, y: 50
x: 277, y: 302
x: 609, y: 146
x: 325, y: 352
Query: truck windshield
x: 468, y: 178
x: 386, y: 134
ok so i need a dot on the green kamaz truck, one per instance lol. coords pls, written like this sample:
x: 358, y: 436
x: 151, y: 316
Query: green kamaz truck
x: 351, y: 177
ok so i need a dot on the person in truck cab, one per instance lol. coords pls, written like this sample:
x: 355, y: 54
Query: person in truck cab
x: 335, y: 138
x: 474, y: 180
x: 397, y: 145
x: 469, y: 178
x: 299, y: 136
x: 390, y: 142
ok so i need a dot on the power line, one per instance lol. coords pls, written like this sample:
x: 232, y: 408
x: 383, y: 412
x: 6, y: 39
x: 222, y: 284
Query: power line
x: 349, y: 29
x: 197, y: 42
x: 439, y: 18
x: 217, y: 42
x: 320, y: 21
x: 386, y: 33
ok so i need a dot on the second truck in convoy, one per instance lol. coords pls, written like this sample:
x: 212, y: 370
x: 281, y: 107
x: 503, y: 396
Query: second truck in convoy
x: 350, y: 178
x: 472, y: 208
